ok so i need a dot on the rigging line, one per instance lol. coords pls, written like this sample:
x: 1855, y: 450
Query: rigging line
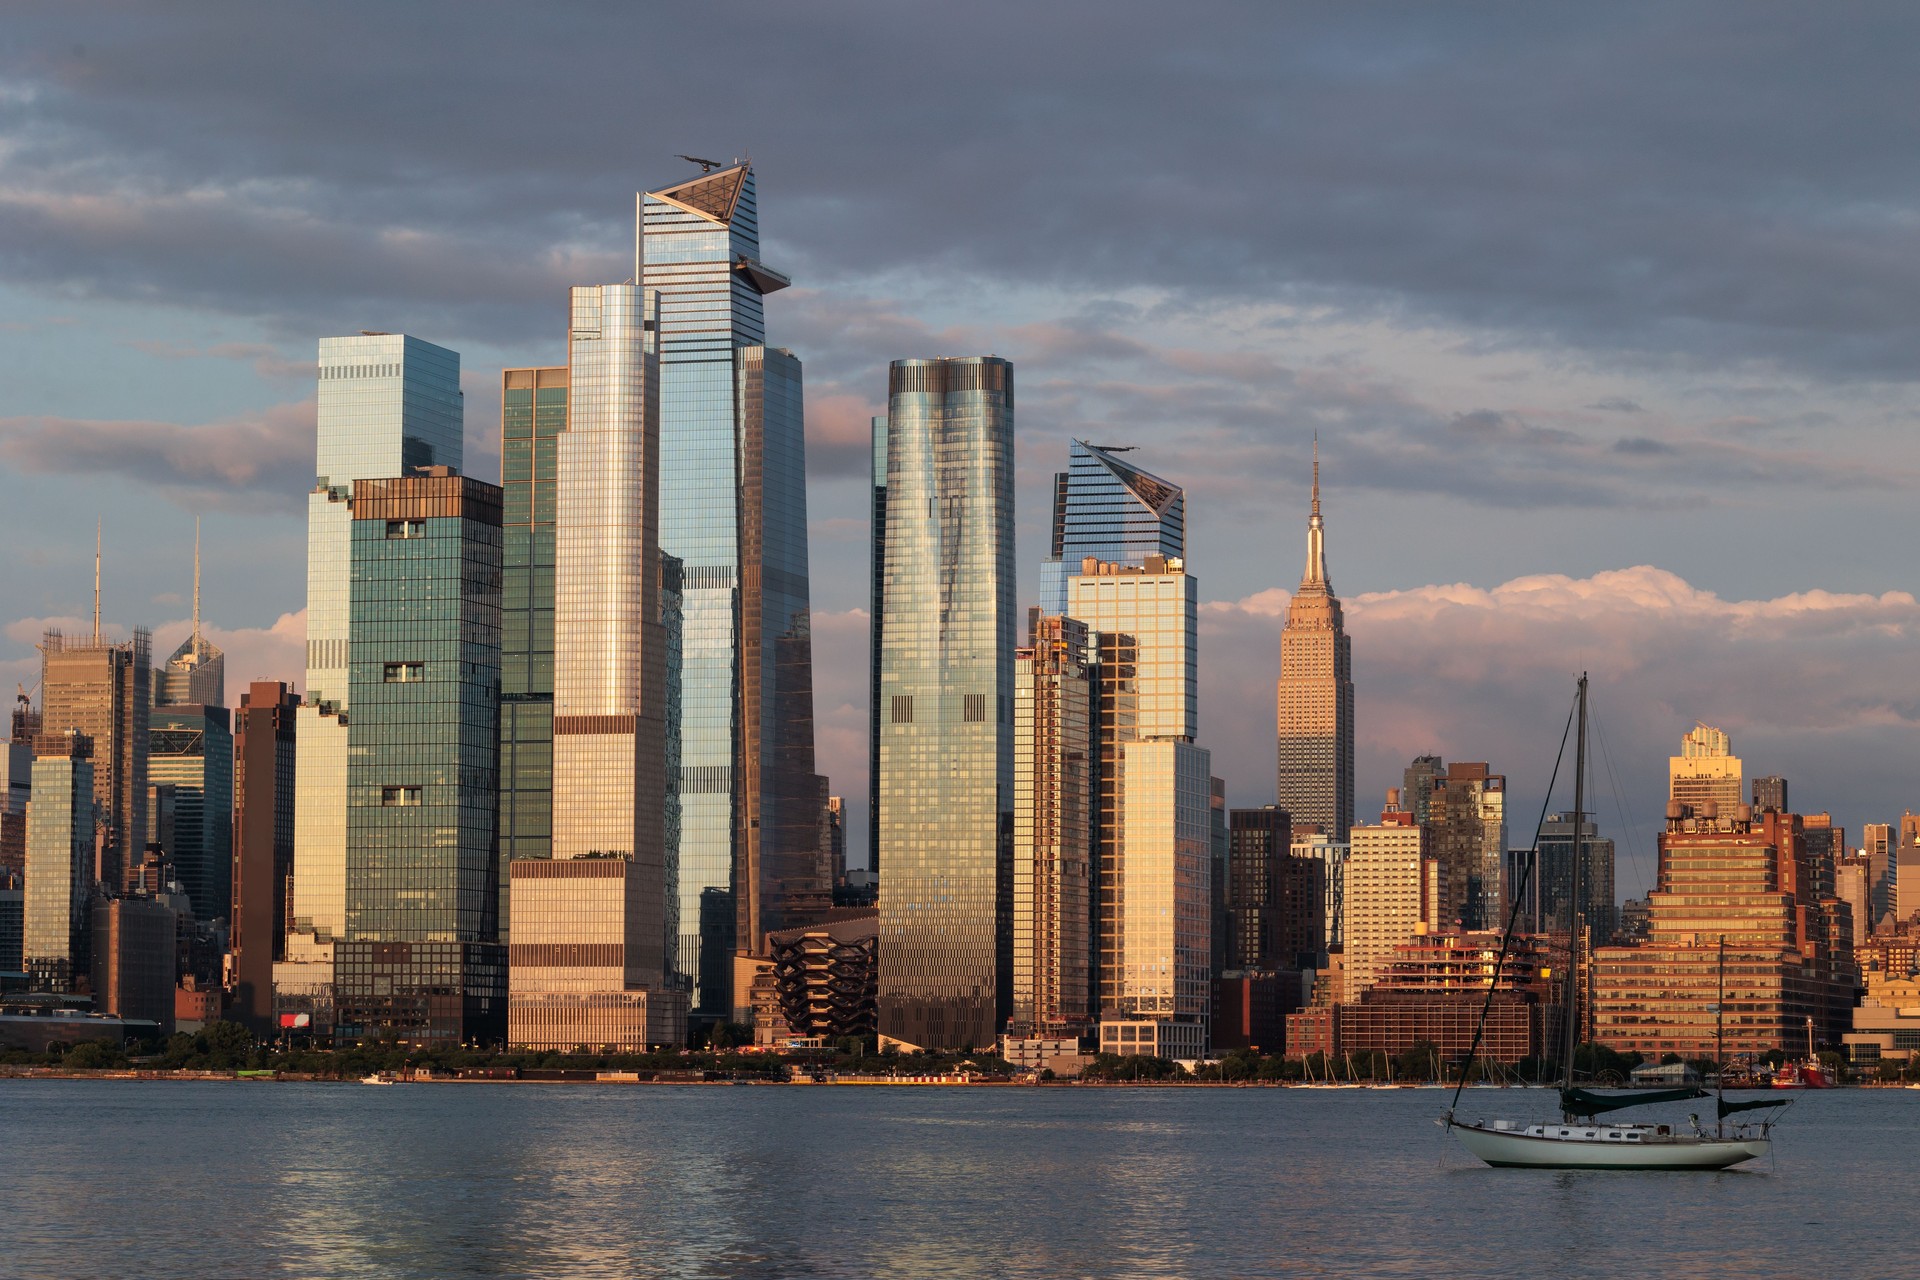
x: 1619, y: 800
x: 1513, y: 915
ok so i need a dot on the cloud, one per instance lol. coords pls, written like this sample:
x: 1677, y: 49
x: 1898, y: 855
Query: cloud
x: 1816, y: 686
x: 265, y: 358
x: 1683, y: 184
x: 840, y: 433
x: 253, y: 462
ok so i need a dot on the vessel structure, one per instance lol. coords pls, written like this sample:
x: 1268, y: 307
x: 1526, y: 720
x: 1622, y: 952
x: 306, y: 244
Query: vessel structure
x: 1578, y: 1140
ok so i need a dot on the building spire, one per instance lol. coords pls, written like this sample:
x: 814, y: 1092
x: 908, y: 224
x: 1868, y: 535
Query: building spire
x: 96, y: 582
x: 196, y: 584
x: 1316, y: 574
x: 1316, y: 478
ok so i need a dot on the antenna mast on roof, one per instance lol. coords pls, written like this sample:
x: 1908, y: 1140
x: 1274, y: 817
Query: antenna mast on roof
x: 196, y: 584
x: 96, y: 582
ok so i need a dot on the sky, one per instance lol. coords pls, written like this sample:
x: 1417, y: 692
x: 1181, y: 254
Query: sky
x: 1605, y: 317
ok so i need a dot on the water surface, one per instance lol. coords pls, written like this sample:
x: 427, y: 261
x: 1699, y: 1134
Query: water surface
x: 205, y: 1179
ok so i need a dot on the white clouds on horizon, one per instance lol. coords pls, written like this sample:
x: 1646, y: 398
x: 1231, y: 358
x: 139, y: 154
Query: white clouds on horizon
x: 1817, y: 686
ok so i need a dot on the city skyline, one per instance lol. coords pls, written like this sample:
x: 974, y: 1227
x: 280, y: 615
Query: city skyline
x: 1471, y: 407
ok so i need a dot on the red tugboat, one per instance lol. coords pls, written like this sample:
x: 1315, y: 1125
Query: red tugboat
x: 1808, y: 1074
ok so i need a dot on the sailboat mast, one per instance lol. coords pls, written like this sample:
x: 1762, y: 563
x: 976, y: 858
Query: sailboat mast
x: 1720, y: 1044
x: 1573, y: 902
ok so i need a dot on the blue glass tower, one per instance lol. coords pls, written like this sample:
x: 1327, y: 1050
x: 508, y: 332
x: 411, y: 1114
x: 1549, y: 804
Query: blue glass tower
x: 421, y: 958
x: 733, y: 509
x: 1110, y: 509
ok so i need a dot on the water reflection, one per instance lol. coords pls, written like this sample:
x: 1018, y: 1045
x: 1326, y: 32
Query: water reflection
x: 170, y: 1179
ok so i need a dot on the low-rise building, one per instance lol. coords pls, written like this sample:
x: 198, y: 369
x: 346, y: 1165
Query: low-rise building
x: 1886, y: 1026
x: 1061, y: 1055
x: 576, y: 974
x: 1152, y: 1037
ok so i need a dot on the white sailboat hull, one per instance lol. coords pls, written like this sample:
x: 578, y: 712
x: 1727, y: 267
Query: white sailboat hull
x: 1602, y: 1146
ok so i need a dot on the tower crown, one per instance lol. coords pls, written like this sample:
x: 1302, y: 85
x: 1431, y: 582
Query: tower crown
x: 1316, y: 572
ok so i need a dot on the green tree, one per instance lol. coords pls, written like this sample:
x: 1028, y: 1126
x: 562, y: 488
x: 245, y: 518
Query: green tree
x: 93, y: 1055
x: 224, y: 1045
x: 1420, y: 1061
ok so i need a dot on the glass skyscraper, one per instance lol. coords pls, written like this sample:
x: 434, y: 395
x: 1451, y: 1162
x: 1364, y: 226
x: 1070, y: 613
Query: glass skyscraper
x: 191, y: 748
x: 386, y: 403
x: 1105, y: 507
x: 733, y: 510
x: 420, y: 957
x: 610, y: 657
x: 876, y: 619
x: 533, y: 415
x: 946, y: 697
x: 59, y: 861
x: 1142, y: 624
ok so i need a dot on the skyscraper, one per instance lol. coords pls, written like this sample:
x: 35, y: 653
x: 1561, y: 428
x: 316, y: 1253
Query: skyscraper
x: 190, y: 748
x: 1554, y: 875
x: 876, y: 618
x: 1877, y: 845
x: 1165, y: 888
x: 1737, y: 910
x: 1052, y: 829
x: 196, y: 674
x: 733, y: 510
x: 1770, y: 793
x: 533, y: 417
x: 1105, y: 507
x: 1467, y: 816
x: 387, y: 403
x: 102, y: 689
x: 1311, y: 844
x: 1315, y: 695
x: 1705, y: 772
x: 1416, y: 785
x: 596, y: 908
x: 946, y: 697
x: 420, y: 958
x: 263, y: 773
x: 1276, y: 901
x: 1142, y: 630
x: 59, y: 861
x: 16, y: 790
x: 1394, y: 890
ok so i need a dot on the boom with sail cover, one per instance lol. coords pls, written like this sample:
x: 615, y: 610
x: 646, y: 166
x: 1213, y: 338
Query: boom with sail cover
x: 1585, y: 1102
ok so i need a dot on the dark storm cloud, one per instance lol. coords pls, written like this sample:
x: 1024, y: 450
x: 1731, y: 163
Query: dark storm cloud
x: 1682, y: 182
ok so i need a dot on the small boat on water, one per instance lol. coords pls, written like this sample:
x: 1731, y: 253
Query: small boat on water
x: 1578, y: 1140
x: 379, y: 1077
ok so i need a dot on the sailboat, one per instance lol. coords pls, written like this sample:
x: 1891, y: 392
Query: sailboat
x: 1579, y: 1139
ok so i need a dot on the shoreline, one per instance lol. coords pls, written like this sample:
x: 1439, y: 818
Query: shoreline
x: 629, y: 1079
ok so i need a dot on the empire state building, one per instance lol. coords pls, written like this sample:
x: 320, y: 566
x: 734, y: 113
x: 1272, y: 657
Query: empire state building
x: 1315, y: 702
